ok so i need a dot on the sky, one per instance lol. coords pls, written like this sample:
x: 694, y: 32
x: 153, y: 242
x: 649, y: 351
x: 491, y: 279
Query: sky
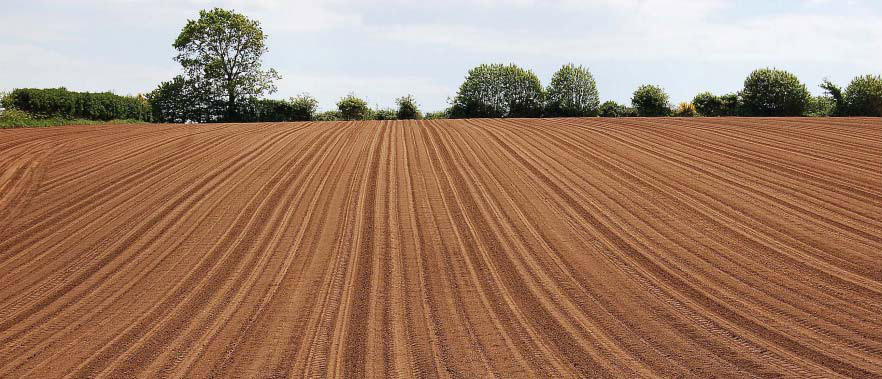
x: 383, y: 49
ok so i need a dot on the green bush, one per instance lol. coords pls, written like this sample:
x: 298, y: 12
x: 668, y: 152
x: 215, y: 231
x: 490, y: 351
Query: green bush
x: 12, y: 117
x: 4, y: 99
x: 833, y: 92
x: 863, y: 96
x: 732, y: 105
x: 353, y: 108
x: 328, y: 116
x: 300, y: 108
x: 650, y: 101
x: 770, y: 92
x: 708, y: 104
x: 303, y: 107
x: 498, y: 90
x: 385, y: 114
x: 613, y: 109
x: 439, y: 115
x: 61, y: 103
x: 572, y: 93
x: 820, y: 106
x: 181, y: 100
x: 407, y: 108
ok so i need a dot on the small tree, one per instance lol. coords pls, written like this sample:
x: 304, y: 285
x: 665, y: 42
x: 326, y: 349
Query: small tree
x: 770, y: 92
x: 834, y: 92
x: 327, y: 116
x: 572, y: 93
x: 303, y: 107
x: 498, y: 90
x: 613, y: 109
x: 353, y: 108
x: 651, y: 101
x: 685, y: 109
x: 407, y: 108
x: 384, y: 114
x: 863, y: 96
x: 708, y: 104
x: 732, y: 105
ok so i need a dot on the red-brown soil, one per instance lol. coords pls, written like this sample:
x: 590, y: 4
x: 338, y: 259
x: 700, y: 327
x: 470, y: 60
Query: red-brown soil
x: 471, y: 248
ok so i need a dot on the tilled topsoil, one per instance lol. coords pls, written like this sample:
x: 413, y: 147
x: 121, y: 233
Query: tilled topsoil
x: 665, y: 247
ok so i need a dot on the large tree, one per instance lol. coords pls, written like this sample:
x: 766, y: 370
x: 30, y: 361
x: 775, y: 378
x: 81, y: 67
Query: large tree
x: 572, y: 93
x: 863, y: 96
x: 497, y: 90
x: 223, y: 50
x: 771, y: 92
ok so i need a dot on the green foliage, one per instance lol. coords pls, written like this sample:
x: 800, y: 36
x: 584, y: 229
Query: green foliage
x: 181, y: 100
x: 834, y: 92
x: 353, y: 108
x: 732, y: 105
x: 863, y: 96
x: 685, y: 109
x: 300, y: 108
x: 708, y: 104
x: 30, y: 122
x: 328, y: 116
x: 11, y: 117
x: 4, y: 99
x: 407, y: 108
x: 612, y: 109
x: 439, y: 115
x: 572, y: 93
x: 64, y: 104
x: 385, y: 114
x: 221, y: 53
x: 770, y: 92
x: 498, y: 90
x: 650, y: 101
x: 820, y: 106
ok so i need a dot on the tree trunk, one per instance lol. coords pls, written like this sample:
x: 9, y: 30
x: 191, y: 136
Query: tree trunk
x: 232, y: 115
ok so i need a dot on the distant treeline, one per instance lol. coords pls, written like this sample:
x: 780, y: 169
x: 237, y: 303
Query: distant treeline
x: 489, y: 91
x: 59, y: 102
x: 223, y: 80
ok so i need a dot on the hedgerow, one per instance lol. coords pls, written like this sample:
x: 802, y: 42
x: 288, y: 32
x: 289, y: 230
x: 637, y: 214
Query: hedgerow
x: 61, y: 103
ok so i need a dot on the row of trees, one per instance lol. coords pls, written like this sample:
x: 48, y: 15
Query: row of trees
x: 497, y: 90
x: 509, y: 91
x: 223, y: 79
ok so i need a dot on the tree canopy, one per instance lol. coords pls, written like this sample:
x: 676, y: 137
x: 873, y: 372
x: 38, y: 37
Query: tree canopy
x: 498, y: 90
x: 771, y: 92
x: 651, y: 101
x: 572, y: 93
x: 223, y: 51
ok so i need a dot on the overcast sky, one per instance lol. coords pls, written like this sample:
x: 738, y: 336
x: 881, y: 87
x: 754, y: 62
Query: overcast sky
x: 382, y: 49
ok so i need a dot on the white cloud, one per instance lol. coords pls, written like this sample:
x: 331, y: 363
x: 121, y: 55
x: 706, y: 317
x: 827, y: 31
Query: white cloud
x: 35, y: 66
x: 656, y: 30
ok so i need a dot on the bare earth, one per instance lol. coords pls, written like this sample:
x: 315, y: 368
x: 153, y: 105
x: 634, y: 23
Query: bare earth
x: 472, y: 248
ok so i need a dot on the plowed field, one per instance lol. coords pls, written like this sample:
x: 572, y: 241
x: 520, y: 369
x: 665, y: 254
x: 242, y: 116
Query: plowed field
x: 470, y: 248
